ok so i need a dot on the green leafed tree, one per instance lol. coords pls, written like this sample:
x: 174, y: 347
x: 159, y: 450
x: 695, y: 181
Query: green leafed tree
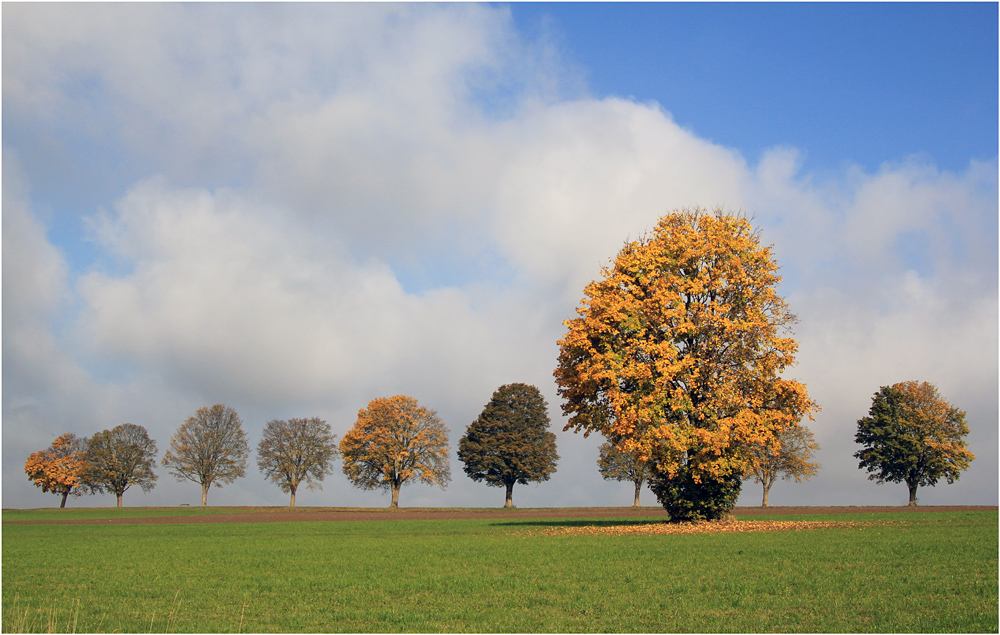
x: 119, y: 458
x: 911, y: 435
x: 510, y: 443
x: 296, y: 451
x: 208, y: 448
x: 617, y: 465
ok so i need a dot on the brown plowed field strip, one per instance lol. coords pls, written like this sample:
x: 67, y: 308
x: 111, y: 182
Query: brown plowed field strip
x: 284, y: 515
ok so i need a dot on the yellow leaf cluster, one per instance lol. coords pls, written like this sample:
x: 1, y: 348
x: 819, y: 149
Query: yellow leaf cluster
x: 59, y: 468
x: 940, y: 425
x: 676, y: 353
x: 395, y: 440
x: 730, y: 526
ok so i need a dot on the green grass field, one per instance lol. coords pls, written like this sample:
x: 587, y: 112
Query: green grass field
x: 921, y: 572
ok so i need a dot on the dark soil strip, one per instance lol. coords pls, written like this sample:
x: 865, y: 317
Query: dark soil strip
x: 282, y: 515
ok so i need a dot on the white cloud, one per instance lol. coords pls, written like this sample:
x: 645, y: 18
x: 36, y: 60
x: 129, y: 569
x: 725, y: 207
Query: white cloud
x: 38, y: 368
x: 237, y: 301
x: 586, y: 175
x: 45, y: 392
x: 868, y: 320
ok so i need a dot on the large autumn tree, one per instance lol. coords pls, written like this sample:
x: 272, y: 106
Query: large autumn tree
x: 617, y: 465
x: 296, y: 451
x: 119, y: 458
x: 509, y: 443
x: 394, y: 441
x: 911, y: 435
x: 59, y: 468
x: 675, y: 354
x: 208, y: 448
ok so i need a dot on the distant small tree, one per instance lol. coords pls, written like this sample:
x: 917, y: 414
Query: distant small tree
x: 59, y: 468
x: 616, y: 465
x: 510, y: 443
x: 208, y: 448
x: 396, y: 440
x: 119, y: 458
x: 911, y: 435
x: 790, y: 459
x: 296, y: 451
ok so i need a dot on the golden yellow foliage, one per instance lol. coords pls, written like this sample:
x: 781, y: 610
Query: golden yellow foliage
x: 58, y: 469
x: 676, y: 352
x: 726, y: 526
x: 394, y: 440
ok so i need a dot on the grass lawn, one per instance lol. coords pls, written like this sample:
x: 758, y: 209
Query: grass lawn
x: 921, y: 572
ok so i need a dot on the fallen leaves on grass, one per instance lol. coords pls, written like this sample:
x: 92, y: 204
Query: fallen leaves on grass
x: 726, y: 526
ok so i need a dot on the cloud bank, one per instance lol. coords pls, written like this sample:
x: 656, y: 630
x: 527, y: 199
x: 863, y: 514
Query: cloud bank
x: 304, y: 207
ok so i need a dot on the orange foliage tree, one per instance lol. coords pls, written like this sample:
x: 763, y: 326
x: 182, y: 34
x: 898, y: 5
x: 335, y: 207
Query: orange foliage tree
x: 59, y: 469
x: 911, y: 435
x: 396, y: 440
x: 676, y: 354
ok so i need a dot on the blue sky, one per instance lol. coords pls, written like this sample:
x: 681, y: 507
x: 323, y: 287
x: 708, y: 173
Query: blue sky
x: 294, y: 209
x: 878, y: 81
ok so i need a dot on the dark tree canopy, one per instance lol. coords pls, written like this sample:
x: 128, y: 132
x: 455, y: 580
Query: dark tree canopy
x: 296, y: 451
x: 208, y: 448
x: 119, y: 458
x: 617, y: 465
x: 911, y: 435
x: 510, y: 443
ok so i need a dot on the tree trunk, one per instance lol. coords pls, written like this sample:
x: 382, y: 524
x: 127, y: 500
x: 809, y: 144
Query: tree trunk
x: 119, y: 499
x: 204, y: 494
x: 913, y: 495
x: 510, y: 496
x: 395, y: 496
x: 65, y: 495
x: 292, y: 504
x: 638, y: 488
x: 767, y: 490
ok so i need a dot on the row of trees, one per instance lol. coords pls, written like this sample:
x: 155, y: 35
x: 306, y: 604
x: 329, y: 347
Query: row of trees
x: 394, y: 440
x: 209, y: 448
x: 677, y: 357
x: 911, y: 435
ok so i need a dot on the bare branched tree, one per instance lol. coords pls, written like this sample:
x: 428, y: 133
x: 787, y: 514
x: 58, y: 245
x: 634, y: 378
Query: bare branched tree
x: 296, y: 451
x: 210, y: 447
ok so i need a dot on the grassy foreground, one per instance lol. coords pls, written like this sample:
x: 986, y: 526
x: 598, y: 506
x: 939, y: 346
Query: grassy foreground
x: 920, y: 572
